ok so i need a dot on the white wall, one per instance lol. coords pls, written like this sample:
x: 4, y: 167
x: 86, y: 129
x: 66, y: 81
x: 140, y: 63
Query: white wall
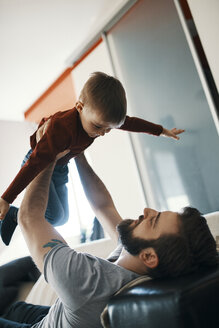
x: 14, y: 143
x: 37, y: 38
x: 112, y: 159
x: 112, y: 156
x: 206, y: 17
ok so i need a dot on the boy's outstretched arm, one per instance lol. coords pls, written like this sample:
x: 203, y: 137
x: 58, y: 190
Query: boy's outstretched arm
x: 136, y: 124
x: 98, y: 197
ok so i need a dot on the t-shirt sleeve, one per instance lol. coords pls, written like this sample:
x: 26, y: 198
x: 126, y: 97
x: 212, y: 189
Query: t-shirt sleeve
x: 53, y: 142
x: 73, y: 275
x: 135, y: 124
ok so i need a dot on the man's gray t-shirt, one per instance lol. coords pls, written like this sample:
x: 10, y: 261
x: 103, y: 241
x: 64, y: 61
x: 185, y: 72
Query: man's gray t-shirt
x: 84, y: 284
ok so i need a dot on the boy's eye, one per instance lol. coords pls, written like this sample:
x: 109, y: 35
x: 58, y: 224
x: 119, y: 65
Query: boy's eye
x: 97, y: 127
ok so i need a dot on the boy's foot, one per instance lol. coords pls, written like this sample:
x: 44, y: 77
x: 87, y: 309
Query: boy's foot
x: 8, y: 225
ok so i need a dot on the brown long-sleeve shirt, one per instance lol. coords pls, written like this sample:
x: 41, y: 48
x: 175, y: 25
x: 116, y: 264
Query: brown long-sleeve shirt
x: 65, y: 131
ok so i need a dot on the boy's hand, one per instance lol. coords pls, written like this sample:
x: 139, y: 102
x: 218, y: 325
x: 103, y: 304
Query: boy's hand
x: 172, y: 133
x: 4, y: 207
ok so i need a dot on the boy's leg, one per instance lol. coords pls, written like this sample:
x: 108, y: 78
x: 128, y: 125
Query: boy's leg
x: 4, y: 323
x: 57, y: 212
x: 9, y: 224
x: 25, y: 313
x: 62, y: 192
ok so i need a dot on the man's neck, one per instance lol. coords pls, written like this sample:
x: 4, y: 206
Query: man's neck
x: 130, y: 262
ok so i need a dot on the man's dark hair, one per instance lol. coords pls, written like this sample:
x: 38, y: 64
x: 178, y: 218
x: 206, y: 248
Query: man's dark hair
x: 202, y: 244
x: 106, y: 94
x: 181, y: 253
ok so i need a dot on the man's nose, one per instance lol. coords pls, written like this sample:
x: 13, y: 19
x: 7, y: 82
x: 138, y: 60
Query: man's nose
x: 148, y: 212
x: 102, y: 133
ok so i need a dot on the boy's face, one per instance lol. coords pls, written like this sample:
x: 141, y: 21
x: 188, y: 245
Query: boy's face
x: 92, y: 121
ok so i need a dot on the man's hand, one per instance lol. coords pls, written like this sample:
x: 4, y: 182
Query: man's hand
x: 42, y: 130
x: 4, y: 207
x: 172, y: 133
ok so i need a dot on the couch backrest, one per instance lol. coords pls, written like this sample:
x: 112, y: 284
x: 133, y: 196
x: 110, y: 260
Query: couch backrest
x: 184, y: 302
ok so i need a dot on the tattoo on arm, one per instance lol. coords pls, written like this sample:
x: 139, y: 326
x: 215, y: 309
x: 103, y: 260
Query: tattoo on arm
x: 53, y: 243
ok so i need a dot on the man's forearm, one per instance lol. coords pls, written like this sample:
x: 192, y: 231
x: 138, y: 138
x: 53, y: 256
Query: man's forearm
x: 38, y: 233
x: 98, y: 197
x: 36, y: 196
x: 95, y: 190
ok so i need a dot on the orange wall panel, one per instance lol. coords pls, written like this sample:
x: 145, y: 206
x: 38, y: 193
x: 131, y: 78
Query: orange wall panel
x: 59, y: 97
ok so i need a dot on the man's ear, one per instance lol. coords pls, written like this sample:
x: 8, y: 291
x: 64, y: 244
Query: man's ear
x: 149, y: 257
x: 79, y: 106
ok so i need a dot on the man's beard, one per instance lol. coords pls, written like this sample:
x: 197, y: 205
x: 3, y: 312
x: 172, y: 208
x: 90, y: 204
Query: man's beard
x: 132, y: 244
x: 124, y: 225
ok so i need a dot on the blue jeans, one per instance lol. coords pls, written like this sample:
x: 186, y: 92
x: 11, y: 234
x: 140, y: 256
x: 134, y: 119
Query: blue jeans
x: 21, y: 314
x: 57, y: 212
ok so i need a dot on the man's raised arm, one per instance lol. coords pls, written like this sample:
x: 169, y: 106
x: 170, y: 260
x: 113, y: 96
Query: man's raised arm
x: 39, y: 234
x: 98, y: 197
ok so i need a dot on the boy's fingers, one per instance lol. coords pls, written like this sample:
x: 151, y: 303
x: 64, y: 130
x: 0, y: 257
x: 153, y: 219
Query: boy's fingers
x: 179, y: 131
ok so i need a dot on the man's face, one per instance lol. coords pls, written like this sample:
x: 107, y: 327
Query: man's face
x: 93, y: 123
x: 149, y: 226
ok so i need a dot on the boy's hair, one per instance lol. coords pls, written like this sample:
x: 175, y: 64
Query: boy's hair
x: 106, y: 94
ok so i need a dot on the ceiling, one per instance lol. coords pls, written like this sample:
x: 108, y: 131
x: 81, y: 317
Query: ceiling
x: 37, y: 38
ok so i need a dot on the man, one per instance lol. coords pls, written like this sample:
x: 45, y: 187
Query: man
x: 158, y: 244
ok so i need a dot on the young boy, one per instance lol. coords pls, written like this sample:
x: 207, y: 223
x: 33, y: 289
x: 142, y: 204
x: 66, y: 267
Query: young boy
x: 101, y: 107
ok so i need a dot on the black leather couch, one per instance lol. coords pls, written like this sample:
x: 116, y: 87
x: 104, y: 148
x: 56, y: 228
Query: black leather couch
x: 184, y: 302
x: 12, y: 275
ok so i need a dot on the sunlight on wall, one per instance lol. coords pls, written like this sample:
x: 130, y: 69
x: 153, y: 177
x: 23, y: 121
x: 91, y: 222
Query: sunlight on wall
x: 80, y: 213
